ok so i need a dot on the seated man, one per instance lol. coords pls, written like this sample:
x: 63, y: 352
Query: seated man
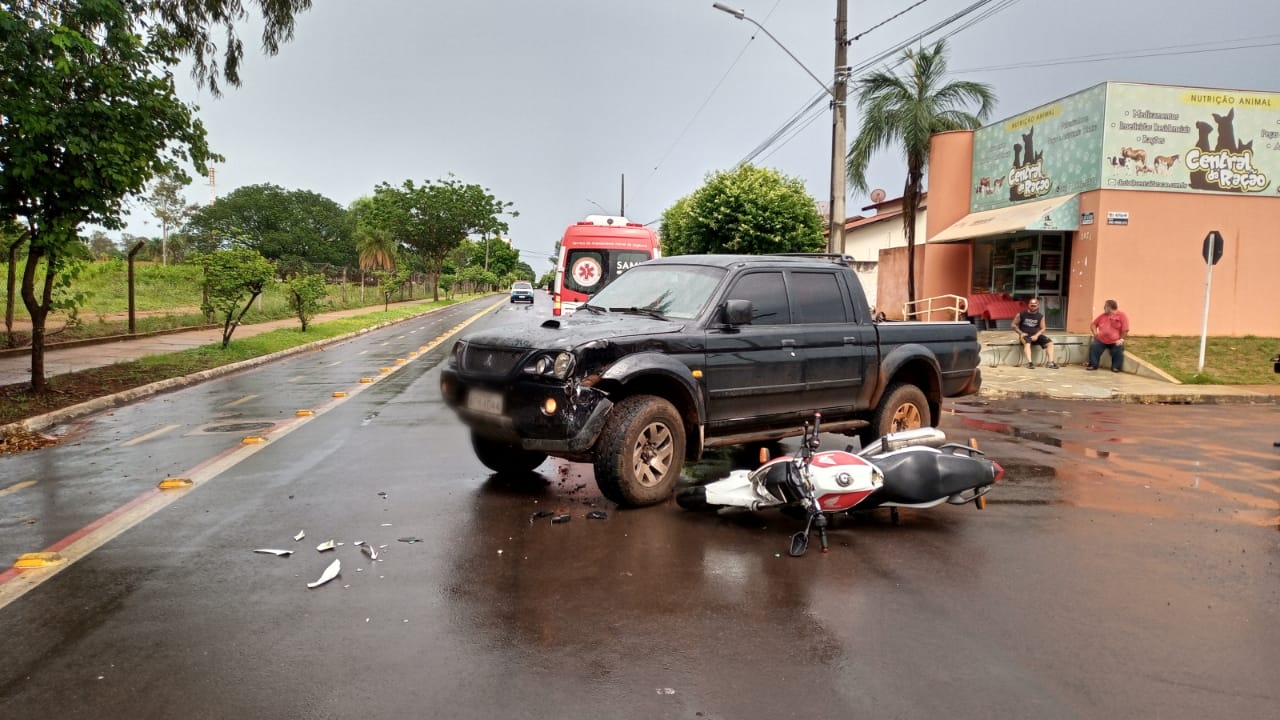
x: 1029, y: 324
x: 1109, y: 331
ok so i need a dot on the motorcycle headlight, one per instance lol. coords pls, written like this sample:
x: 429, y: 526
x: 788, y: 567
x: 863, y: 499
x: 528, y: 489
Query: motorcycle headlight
x: 556, y: 365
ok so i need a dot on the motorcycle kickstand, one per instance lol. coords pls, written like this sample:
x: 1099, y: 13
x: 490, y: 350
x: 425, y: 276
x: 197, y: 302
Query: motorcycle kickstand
x: 820, y: 521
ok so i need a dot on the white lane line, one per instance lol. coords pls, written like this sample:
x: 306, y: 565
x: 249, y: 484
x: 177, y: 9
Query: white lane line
x: 148, y: 436
x: 16, y: 487
x: 335, y: 363
x: 362, y: 352
x: 296, y: 378
x: 241, y: 401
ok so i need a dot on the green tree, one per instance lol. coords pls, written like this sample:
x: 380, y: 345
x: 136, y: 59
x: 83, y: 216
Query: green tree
x: 169, y: 206
x: 748, y: 210
x: 907, y: 111
x: 294, y: 228
x: 90, y: 114
x: 434, y: 218
x: 102, y: 247
x: 233, y: 279
x: 376, y: 249
x: 389, y: 281
x: 305, y: 294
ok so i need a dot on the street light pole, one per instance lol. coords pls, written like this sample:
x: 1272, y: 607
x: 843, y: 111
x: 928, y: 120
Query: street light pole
x: 838, y: 93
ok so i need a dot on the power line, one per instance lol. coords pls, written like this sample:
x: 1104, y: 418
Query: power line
x: 1148, y: 53
x: 882, y: 23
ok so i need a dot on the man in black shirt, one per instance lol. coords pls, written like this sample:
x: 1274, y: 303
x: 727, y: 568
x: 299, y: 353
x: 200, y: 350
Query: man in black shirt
x: 1029, y: 324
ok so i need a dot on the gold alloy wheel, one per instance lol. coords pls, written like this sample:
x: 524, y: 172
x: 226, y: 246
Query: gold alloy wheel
x: 906, y: 417
x: 654, y: 453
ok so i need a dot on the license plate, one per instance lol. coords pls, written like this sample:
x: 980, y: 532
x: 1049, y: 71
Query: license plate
x: 485, y: 401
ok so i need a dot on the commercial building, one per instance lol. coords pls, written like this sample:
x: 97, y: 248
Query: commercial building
x: 1111, y: 193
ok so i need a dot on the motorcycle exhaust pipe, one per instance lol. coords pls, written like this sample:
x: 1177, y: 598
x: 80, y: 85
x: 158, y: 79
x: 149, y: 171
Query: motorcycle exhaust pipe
x: 928, y: 436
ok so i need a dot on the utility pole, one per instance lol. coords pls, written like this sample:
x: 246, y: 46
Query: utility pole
x: 839, y: 91
x: 622, y: 203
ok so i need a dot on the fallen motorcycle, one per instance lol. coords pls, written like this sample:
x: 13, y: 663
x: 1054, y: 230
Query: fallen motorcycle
x: 912, y: 468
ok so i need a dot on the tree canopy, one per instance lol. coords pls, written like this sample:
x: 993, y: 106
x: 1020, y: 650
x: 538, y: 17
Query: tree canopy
x: 289, y: 227
x: 90, y: 114
x: 749, y: 210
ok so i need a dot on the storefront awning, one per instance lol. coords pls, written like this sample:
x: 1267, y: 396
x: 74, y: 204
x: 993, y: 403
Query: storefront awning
x: 1055, y: 214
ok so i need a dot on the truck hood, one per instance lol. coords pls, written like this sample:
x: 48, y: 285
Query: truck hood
x: 566, y: 333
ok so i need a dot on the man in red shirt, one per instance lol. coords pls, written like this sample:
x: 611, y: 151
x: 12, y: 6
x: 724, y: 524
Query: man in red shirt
x: 1109, y: 331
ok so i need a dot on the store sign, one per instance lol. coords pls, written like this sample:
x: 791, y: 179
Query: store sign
x: 1053, y: 150
x: 1126, y: 136
x: 1191, y: 140
x: 1118, y: 218
x: 1086, y: 218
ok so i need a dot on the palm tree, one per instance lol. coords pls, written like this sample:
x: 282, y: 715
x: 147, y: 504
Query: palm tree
x: 377, y: 249
x: 907, y: 111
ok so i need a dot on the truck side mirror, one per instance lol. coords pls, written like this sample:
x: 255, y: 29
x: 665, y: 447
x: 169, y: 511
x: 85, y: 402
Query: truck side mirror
x: 737, y: 312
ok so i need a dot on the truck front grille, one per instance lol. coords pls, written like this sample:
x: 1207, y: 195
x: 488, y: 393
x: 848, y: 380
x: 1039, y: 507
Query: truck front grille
x: 490, y: 361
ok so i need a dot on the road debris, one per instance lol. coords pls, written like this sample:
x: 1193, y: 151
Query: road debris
x: 301, y: 534
x: 561, y: 519
x: 369, y: 550
x: 329, y: 573
x: 326, y: 545
x: 410, y: 540
x: 540, y: 514
x: 597, y: 515
x: 273, y: 551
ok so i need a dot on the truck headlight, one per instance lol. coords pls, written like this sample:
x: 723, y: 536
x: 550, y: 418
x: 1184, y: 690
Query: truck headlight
x: 556, y: 365
x: 456, y: 356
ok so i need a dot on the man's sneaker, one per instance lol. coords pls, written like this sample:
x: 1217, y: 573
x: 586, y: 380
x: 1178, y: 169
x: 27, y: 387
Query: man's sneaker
x: 1053, y: 365
x: 1090, y: 367
x: 1031, y: 366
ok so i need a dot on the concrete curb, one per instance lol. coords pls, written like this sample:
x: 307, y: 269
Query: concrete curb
x: 73, y: 412
x: 1179, y: 398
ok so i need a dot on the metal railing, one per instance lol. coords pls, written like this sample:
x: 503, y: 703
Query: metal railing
x: 954, y: 304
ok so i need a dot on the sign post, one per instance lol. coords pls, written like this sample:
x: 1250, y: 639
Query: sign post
x: 1212, y: 253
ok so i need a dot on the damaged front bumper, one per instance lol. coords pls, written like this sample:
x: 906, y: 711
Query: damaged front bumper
x: 553, y: 418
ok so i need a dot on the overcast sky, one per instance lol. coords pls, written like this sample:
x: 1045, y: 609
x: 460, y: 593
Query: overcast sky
x: 550, y: 103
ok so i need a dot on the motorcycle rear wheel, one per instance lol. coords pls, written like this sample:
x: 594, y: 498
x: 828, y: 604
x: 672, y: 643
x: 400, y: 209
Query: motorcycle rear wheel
x: 694, y: 499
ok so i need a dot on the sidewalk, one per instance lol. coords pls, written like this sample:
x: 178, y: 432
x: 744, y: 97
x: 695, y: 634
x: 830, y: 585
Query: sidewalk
x: 1070, y: 382
x: 15, y: 364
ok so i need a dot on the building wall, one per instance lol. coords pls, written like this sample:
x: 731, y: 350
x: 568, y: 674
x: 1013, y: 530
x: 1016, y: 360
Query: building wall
x: 951, y: 174
x: 948, y: 268
x: 1154, y: 269
x: 865, y: 242
x: 891, y: 279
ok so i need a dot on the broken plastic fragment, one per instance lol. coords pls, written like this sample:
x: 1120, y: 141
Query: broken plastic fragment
x: 301, y: 534
x: 273, y: 551
x: 326, y: 545
x: 597, y: 515
x: 561, y: 519
x: 410, y: 540
x: 540, y: 514
x: 382, y: 495
x: 329, y: 573
x: 369, y: 550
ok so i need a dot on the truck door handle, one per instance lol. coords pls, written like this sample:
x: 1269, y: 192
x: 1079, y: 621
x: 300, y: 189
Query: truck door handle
x: 789, y: 344
x: 851, y: 341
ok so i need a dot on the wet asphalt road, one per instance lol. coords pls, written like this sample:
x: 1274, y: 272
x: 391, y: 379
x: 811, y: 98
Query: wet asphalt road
x: 1129, y: 566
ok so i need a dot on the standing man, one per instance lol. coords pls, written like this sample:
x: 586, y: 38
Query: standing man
x: 1109, y: 331
x: 1029, y: 324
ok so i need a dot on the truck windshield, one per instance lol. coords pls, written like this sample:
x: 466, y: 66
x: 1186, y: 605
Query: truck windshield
x: 674, y: 291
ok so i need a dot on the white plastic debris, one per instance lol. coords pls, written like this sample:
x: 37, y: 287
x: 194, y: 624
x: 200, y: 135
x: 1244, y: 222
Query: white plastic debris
x: 369, y: 550
x: 273, y: 551
x: 301, y: 534
x: 326, y: 545
x: 329, y: 573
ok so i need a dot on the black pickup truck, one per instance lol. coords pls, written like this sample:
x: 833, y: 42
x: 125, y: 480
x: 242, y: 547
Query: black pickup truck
x: 684, y: 353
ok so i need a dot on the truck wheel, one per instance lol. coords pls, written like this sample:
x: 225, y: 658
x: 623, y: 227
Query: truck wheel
x: 903, y: 407
x: 640, y: 452
x: 502, y: 457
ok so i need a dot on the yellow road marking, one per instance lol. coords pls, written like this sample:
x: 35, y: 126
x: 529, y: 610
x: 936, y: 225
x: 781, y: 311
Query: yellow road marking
x: 148, y: 436
x: 241, y: 401
x: 16, y: 487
